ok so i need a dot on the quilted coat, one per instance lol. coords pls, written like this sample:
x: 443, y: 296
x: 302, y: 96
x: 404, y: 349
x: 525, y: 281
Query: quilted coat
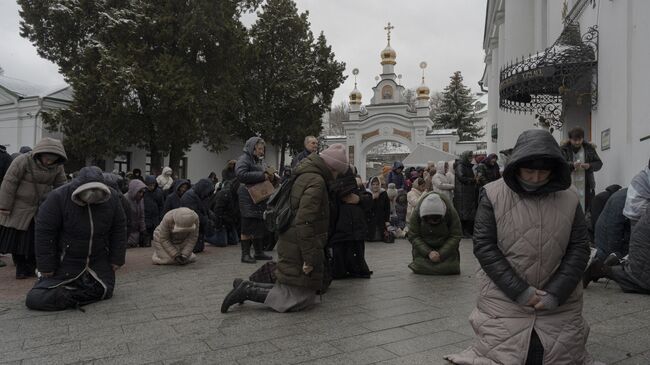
x: 27, y: 182
x: 524, y: 239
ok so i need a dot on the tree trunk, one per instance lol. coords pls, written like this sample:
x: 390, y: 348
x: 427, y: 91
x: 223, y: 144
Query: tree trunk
x: 175, y: 156
x: 283, y: 150
x: 155, y: 168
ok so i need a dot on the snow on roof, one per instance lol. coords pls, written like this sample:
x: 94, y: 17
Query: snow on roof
x: 65, y: 93
x: 334, y: 137
x: 25, y: 89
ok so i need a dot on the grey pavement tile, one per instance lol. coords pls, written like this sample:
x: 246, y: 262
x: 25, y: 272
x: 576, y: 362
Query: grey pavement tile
x: 361, y: 357
x: 13, y: 345
x: 642, y: 359
x: 620, y: 325
x: 424, y: 343
x: 373, y: 339
x: 174, y: 348
x: 84, y: 355
x: 437, y: 325
x: 606, y: 354
x: 403, y: 320
x: 292, y: 356
x: 637, y: 341
x: 227, y: 356
x: 42, y: 351
x: 315, y: 335
x: 431, y: 357
x: 237, y: 338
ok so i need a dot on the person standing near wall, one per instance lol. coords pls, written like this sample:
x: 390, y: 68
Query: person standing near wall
x: 583, y: 161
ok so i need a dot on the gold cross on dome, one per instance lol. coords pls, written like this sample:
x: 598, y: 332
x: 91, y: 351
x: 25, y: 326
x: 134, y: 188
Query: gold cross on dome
x: 388, y: 28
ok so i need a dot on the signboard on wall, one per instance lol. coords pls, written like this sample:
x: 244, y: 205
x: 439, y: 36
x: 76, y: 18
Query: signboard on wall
x: 605, y: 140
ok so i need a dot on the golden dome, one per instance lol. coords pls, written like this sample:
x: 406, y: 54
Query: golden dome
x: 388, y: 56
x: 422, y: 92
x: 355, y: 96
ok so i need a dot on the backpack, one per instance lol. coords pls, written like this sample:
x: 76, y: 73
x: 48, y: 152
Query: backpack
x: 278, y: 214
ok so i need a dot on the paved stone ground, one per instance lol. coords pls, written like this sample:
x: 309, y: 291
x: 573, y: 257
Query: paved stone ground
x: 170, y: 315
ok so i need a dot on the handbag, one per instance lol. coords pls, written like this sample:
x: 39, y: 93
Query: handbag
x: 260, y: 191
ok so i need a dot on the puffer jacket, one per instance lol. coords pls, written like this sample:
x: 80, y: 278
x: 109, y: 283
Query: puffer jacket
x: 111, y: 180
x: 305, y: 239
x: 136, y: 210
x: 165, y: 180
x: 529, y: 239
x: 154, y: 203
x: 443, y: 237
x: 250, y: 171
x: 441, y: 183
x: 27, y: 182
x: 395, y: 177
x: 638, y: 265
x: 612, y: 232
x: 168, y: 244
x: 197, y: 199
x: 638, y: 195
x: 72, y: 237
x: 173, y: 200
x: 465, y: 188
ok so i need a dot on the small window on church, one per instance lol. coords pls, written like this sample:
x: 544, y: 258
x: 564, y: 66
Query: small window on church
x: 387, y: 92
x: 445, y: 146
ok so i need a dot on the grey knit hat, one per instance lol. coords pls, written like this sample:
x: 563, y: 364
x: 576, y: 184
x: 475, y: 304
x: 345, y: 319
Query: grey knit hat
x: 432, y: 205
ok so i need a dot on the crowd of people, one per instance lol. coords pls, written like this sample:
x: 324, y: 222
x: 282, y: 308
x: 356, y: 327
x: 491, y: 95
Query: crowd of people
x: 532, y: 222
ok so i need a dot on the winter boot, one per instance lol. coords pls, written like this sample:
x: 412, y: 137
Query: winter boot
x: 259, y: 250
x: 244, y: 291
x: 246, y: 252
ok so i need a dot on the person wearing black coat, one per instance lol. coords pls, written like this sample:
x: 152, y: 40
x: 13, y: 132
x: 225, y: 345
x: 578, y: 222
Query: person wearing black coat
x: 348, y: 231
x: 197, y: 199
x: 228, y: 173
x: 80, y: 242
x: 465, y: 192
x: 597, y: 206
x: 177, y: 190
x: 5, y: 161
x: 378, y: 216
x: 154, y: 204
x: 582, y: 169
x: 111, y: 180
x: 225, y: 207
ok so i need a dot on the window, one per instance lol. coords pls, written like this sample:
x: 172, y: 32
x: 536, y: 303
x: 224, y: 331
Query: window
x: 387, y: 92
x: 182, y: 168
x: 122, y: 162
x: 445, y: 146
x: 147, y: 165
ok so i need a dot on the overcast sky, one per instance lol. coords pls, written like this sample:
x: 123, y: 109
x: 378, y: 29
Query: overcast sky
x: 447, y: 34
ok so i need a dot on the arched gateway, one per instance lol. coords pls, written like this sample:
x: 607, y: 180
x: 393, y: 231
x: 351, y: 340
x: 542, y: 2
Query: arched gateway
x: 389, y: 117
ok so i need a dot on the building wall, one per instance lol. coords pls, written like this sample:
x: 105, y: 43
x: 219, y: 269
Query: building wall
x: 623, y: 78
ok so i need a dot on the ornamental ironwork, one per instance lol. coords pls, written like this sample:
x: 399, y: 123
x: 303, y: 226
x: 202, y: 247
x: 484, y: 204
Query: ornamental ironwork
x: 540, y: 83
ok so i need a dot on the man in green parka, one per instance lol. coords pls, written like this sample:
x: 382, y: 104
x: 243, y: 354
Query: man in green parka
x: 435, y: 232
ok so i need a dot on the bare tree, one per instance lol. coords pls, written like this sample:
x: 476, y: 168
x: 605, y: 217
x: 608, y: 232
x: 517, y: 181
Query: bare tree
x: 336, y: 117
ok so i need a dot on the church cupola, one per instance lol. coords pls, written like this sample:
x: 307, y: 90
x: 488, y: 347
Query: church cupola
x: 422, y: 94
x: 355, y: 94
x: 388, y: 54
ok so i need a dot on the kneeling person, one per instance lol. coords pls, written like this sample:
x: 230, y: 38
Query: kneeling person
x: 175, y: 237
x: 80, y: 239
x: 435, y: 232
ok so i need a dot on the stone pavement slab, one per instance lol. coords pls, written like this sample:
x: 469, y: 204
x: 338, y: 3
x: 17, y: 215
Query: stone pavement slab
x: 170, y: 315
